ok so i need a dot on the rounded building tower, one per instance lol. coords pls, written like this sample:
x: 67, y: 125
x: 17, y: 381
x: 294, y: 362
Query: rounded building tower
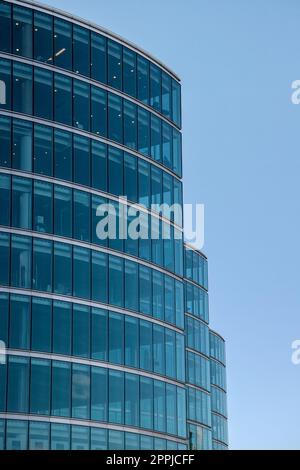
x: 92, y: 329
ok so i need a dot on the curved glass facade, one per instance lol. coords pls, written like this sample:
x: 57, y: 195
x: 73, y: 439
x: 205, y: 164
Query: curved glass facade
x: 107, y: 339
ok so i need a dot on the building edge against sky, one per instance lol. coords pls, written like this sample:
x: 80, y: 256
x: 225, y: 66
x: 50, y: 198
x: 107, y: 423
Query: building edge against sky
x: 108, y: 343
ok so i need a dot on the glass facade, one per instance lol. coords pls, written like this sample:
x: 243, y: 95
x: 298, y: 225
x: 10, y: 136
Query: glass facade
x: 109, y: 336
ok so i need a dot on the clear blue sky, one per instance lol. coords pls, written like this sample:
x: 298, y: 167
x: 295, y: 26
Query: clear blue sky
x: 237, y: 59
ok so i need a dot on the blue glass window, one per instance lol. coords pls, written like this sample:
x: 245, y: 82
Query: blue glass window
x: 115, y: 439
x: 171, y: 409
x: 142, y: 79
x: 116, y: 338
x: 99, y: 111
x: 156, y: 149
x: 155, y: 87
x: 21, y: 248
x: 81, y: 272
x: 131, y: 341
x: 5, y: 141
x: 22, y: 145
x: 62, y: 44
x: 21, y: 202
x: 99, y: 337
x: 22, y: 31
x: 130, y: 124
x: 62, y: 327
x: 166, y: 95
x: 42, y: 265
x: 99, y: 277
x: 81, y: 160
x: 132, y: 399
x: 43, y: 93
x: 132, y: 441
x: 41, y: 322
x: 156, y: 185
x: 129, y: 72
x: 158, y: 294
x: 179, y: 304
x: 18, y: 385
x: 4, y: 199
x: 22, y: 88
x: 40, y: 377
x: 6, y: 76
x: 81, y: 331
x: 143, y: 131
x: 146, y: 403
x: 159, y: 405
x: 145, y: 292
x: 4, y: 259
x: 99, y: 165
x: 42, y: 212
x: 114, y: 65
x: 99, y: 394
x: 62, y: 269
x: 181, y: 412
x: 98, y: 439
x: 63, y: 99
x: 60, y: 437
x: 159, y: 349
x: 115, y: 171
x: 43, y: 150
x: 116, y: 289
x: 176, y: 103
x: 180, y: 357
x: 177, y: 159
x: 39, y: 435
x: 170, y: 353
x: 80, y: 391
x: 131, y: 285
x: 4, y: 299
x: 81, y: 222
x: 5, y: 27
x: 62, y: 211
x: 167, y: 144
x: 81, y: 105
x: 63, y: 155
x: 43, y: 37
x: 16, y: 435
x: 130, y: 177
x: 81, y: 50
x: 19, y: 326
x: 144, y: 183
x: 146, y: 353
x: 98, y: 57
x: 116, y: 397
x: 115, y: 124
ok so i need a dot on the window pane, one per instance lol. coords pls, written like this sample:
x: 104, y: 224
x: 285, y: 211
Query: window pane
x: 43, y: 202
x: 99, y: 57
x: 39, y: 435
x: 176, y: 103
x: 144, y: 183
x: 60, y: 436
x: 63, y: 155
x: 62, y: 328
x: 43, y: 37
x: 5, y: 140
x: 43, y: 93
x: 158, y: 295
x: 21, y: 202
x: 99, y: 111
x: 166, y: 95
x: 63, y: 99
x: 142, y: 79
x: 4, y: 305
x: 155, y: 87
x: 115, y: 440
x: 132, y: 441
x: 62, y: 269
x: 116, y: 338
x: 146, y: 403
x: 81, y: 160
x: 81, y: 50
x: 22, y: 88
x: 42, y: 265
x: 6, y: 76
x: 80, y: 391
x: 129, y: 72
x: 5, y: 27
x: 177, y: 159
x: 171, y: 409
x: 4, y: 259
x: 131, y: 341
x: 145, y: 290
x: 40, y: 376
x: 181, y: 411
x: 146, y: 352
x: 62, y: 211
x: 115, y: 127
x: 81, y: 215
x: 99, y: 166
x: 159, y: 349
x: 16, y: 435
x: 98, y: 439
x: 180, y: 357
x: 19, y: 327
x: 116, y: 281
x: 159, y: 406
x: 62, y: 44
x: 81, y: 331
x: 81, y: 272
x: 169, y: 300
x: 22, y: 145
x: 80, y: 438
x: 131, y: 285
x: 170, y: 353
x: 99, y: 334
x: 99, y: 394
x: 114, y: 65
x: 22, y: 31
x: 21, y: 262
x: 167, y: 144
x: 115, y: 171
x: 156, y: 185
x: 156, y: 149
x: 41, y: 324
x: 18, y: 384
x: 61, y: 388
x: 116, y: 397
x: 143, y: 131
x: 81, y: 105
x: 132, y: 399
x: 130, y: 125
x: 130, y: 177
x: 99, y: 277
